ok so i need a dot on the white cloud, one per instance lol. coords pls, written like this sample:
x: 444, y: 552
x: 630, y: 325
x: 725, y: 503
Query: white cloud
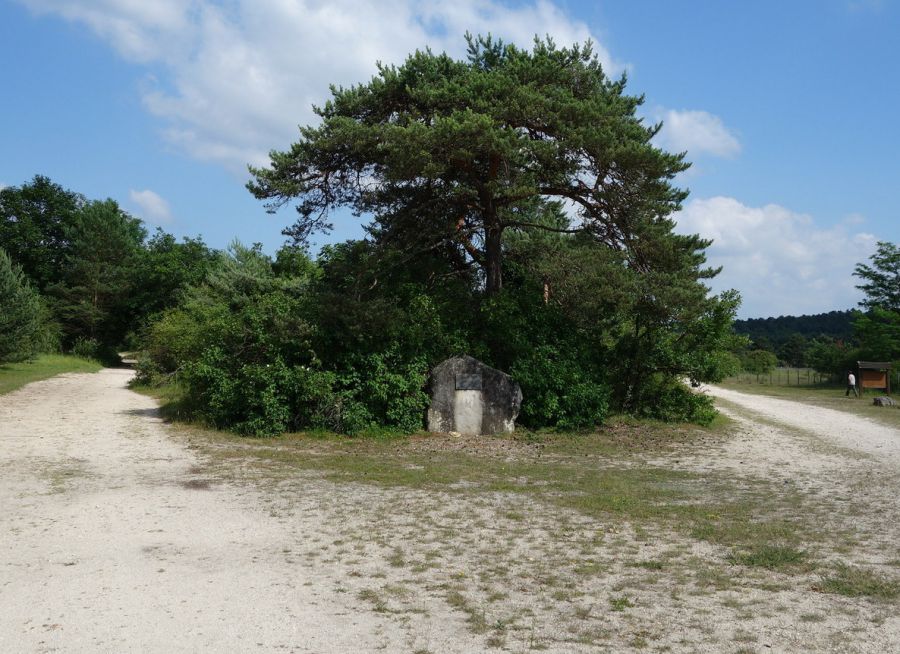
x: 780, y: 261
x: 232, y: 80
x: 698, y: 132
x: 152, y: 208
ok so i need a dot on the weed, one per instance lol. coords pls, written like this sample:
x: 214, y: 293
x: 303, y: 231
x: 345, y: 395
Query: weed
x: 853, y: 581
x: 771, y: 557
x: 370, y: 595
x: 620, y: 603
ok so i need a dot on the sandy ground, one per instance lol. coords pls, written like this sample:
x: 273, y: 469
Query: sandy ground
x: 114, y: 537
x: 107, y: 544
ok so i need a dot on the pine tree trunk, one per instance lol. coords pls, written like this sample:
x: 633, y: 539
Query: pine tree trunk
x: 492, y: 261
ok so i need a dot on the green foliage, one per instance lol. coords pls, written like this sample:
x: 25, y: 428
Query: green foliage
x: 22, y: 315
x: 89, y: 260
x: 759, y: 362
x: 36, y: 227
x: 559, y: 390
x: 878, y: 330
x: 94, y: 350
x: 794, y: 351
x: 165, y: 268
x: 91, y: 300
x: 668, y: 399
x: 831, y: 357
x: 449, y: 155
x: 881, y: 280
x: 385, y: 389
x: 464, y: 167
x: 773, y: 333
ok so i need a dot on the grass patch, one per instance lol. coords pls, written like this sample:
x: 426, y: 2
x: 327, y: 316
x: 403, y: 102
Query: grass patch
x: 620, y: 603
x: 771, y: 557
x: 15, y: 375
x: 852, y: 581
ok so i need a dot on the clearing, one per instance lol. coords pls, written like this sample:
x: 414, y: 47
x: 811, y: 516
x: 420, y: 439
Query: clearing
x: 777, y: 531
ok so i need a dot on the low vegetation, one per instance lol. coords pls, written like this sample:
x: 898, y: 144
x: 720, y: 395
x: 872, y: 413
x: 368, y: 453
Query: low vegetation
x: 44, y: 366
x: 562, y: 540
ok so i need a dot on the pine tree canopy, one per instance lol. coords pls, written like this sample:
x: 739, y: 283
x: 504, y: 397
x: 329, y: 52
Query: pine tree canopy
x: 447, y: 154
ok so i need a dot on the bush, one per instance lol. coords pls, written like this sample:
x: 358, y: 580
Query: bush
x: 389, y: 390
x: 672, y: 401
x: 91, y: 348
x: 22, y: 315
x: 557, y: 391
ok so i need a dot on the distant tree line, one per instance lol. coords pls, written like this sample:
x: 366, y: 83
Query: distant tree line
x: 773, y: 333
x: 831, y: 343
x: 82, y: 275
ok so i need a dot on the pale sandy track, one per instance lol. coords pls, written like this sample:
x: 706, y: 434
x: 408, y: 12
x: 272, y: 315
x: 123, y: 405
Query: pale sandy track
x: 836, y: 428
x: 103, y: 549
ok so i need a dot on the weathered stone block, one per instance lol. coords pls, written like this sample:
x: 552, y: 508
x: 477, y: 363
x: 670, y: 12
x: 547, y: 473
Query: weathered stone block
x: 472, y: 398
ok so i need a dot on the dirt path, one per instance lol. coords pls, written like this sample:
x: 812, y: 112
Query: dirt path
x: 831, y: 427
x: 109, y: 543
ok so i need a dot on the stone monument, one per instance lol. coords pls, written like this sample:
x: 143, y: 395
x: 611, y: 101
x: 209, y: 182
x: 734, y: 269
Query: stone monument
x: 471, y: 398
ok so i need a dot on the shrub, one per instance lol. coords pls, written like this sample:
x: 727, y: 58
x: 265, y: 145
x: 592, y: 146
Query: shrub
x: 557, y: 390
x: 389, y: 390
x: 22, y: 314
x: 91, y: 348
x: 672, y: 401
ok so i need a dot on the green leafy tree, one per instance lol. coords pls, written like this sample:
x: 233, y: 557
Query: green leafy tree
x: 793, y: 352
x: 881, y: 279
x: 36, y: 221
x: 449, y: 155
x: 164, y: 269
x: 92, y: 299
x: 21, y: 314
x: 759, y: 362
x: 878, y: 330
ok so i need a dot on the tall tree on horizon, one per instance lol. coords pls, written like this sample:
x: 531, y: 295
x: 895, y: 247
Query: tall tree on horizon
x: 448, y: 155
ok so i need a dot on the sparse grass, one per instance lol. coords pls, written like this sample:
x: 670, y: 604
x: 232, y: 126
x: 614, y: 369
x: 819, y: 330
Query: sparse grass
x: 620, y: 603
x: 853, y: 581
x: 595, y: 475
x: 475, y: 617
x: 379, y: 605
x: 771, y: 557
x: 16, y: 375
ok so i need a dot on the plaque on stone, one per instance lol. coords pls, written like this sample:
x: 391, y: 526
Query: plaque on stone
x: 471, y: 398
x: 468, y: 382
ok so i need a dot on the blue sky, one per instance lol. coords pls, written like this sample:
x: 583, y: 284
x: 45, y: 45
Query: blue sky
x: 787, y: 109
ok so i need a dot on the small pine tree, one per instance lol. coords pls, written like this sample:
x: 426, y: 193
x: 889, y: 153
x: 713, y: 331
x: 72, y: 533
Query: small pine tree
x: 21, y: 314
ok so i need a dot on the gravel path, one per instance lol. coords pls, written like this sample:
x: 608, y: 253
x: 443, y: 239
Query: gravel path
x: 836, y: 428
x: 109, y: 544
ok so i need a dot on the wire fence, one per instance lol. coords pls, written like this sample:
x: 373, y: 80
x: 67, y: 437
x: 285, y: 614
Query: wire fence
x: 787, y: 377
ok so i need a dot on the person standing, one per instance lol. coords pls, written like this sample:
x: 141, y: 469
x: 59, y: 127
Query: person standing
x: 851, y: 384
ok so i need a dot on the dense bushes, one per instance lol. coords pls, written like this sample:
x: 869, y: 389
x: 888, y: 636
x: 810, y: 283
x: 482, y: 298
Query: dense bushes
x: 22, y: 314
x: 345, y: 343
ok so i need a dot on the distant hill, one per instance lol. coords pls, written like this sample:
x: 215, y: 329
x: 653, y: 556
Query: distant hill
x: 835, y: 324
